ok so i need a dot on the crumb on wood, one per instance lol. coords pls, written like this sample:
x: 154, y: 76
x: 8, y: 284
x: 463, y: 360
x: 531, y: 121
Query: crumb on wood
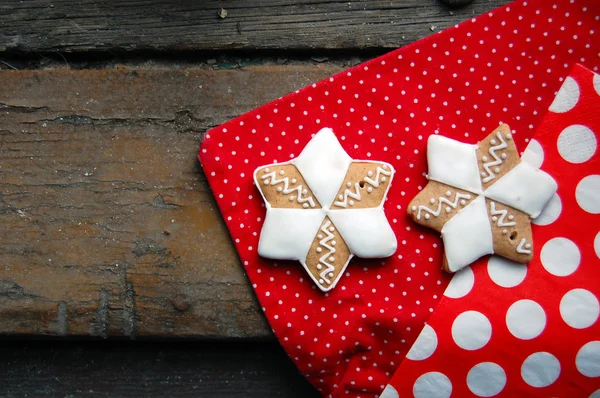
x: 222, y: 13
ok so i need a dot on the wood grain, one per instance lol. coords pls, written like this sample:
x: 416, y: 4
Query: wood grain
x: 108, y: 225
x: 143, y: 369
x: 187, y: 25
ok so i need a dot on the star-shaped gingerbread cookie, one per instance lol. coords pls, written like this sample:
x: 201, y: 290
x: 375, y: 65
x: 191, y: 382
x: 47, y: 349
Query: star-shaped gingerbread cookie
x: 481, y: 198
x: 323, y: 208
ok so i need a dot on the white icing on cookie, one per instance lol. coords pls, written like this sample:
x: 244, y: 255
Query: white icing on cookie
x: 503, y: 215
x: 326, y: 258
x: 524, y: 188
x: 468, y: 235
x: 442, y: 200
x: 497, y: 160
x: 523, y: 247
x: 271, y: 179
x: 453, y: 163
x: 343, y: 199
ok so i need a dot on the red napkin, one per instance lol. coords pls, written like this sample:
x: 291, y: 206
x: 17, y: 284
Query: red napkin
x: 504, y: 66
x: 504, y: 329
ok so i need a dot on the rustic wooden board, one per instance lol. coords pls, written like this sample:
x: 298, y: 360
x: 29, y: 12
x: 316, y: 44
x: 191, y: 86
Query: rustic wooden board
x: 158, y: 25
x: 126, y: 369
x: 108, y: 227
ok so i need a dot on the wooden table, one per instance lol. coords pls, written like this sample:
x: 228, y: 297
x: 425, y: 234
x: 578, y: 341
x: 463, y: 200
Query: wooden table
x: 109, y: 229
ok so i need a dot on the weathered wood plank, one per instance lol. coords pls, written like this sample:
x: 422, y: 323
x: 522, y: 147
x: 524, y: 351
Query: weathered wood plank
x: 157, y: 25
x: 108, y: 227
x: 76, y: 369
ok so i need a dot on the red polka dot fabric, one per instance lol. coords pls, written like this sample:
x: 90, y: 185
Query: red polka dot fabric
x: 501, y: 67
x: 505, y: 329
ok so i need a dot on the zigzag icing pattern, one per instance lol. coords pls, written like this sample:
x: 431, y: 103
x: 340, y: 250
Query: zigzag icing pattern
x: 343, y: 202
x: 523, y: 247
x: 503, y: 214
x: 442, y: 200
x: 324, y: 258
x: 497, y: 160
x: 286, y: 188
x: 348, y: 193
x: 378, y: 172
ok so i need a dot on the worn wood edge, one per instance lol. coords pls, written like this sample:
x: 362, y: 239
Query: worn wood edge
x: 98, y: 184
x: 141, y: 26
x: 100, y: 369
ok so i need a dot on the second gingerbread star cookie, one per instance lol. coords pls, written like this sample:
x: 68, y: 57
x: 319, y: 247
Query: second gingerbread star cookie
x: 481, y: 198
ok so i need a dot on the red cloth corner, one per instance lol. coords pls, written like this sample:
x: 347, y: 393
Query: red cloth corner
x: 503, y: 66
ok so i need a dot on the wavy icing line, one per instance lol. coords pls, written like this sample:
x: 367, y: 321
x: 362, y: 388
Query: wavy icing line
x: 497, y: 160
x: 323, y: 260
x: 442, y: 200
x: 378, y: 172
x: 503, y: 214
x: 286, y: 188
x: 343, y: 202
x: 523, y: 247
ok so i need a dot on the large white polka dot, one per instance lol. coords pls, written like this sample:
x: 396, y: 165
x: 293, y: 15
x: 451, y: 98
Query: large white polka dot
x: 471, y: 330
x: 550, y: 213
x: 389, y: 392
x: 560, y: 256
x: 504, y: 272
x: 588, y: 359
x: 587, y: 194
x: 596, y: 394
x: 432, y: 385
x: 540, y: 369
x: 567, y: 97
x: 461, y: 283
x: 424, y: 346
x: 525, y: 319
x: 486, y: 379
x: 577, y: 143
x: 597, y: 83
x: 533, y: 154
x: 579, y: 308
x: 597, y: 244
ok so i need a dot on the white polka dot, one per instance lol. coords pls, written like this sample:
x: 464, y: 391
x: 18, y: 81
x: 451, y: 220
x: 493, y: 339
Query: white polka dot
x: 540, y: 369
x: 550, y: 213
x: 596, y: 394
x: 525, y: 319
x: 567, y: 97
x: 486, y: 379
x: 577, y: 143
x: 588, y: 359
x: 579, y: 308
x: 424, y: 346
x: 597, y: 244
x: 389, y: 392
x: 461, y: 283
x: 560, y: 256
x: 504, y: 272
x: 471, y: 330
x: 597, y: 83
x: 432, y: 385
x: 587, y: 194
x: 534, y: 154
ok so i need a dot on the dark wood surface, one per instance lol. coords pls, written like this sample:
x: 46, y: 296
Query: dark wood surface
x: 109, y: 226
x: 134, y: 369
x: 166, y: 26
